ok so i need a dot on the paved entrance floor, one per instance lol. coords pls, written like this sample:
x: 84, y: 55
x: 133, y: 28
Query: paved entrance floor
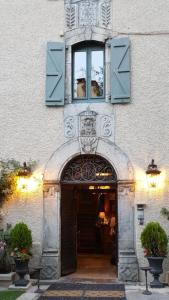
x: 94, y: 267
x: 135, y: 293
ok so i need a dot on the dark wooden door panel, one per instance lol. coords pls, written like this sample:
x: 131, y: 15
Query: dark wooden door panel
x: 68, y: 231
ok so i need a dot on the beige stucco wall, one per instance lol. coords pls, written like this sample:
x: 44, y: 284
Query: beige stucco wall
x: 29, y: 129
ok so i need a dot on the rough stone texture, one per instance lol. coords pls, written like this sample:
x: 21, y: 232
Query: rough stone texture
x: 29, y: 129
x: 140, y: 16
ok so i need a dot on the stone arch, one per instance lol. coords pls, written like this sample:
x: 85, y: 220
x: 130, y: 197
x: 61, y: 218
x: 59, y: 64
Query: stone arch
x: 108, y: 150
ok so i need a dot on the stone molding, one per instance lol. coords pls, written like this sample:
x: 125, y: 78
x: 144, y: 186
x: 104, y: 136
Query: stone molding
x: 126, y: 186
x: 50, y: 188
x: 105, y: 148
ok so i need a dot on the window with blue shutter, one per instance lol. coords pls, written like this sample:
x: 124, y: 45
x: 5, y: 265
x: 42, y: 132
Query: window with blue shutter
x: 120, y: 70
x: 88, y: 72
x: 55, y: 74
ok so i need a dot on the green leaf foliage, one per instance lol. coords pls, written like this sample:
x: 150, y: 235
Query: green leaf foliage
x: 154, y: 240
x: 8, y: 172
x: 21, y: 237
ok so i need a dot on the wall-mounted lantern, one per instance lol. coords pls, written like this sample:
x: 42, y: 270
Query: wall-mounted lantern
x: 28, y: 181
x: 140, y: 213
x: 24, y: 171
x: 24, y: 175
x: 152, y: 175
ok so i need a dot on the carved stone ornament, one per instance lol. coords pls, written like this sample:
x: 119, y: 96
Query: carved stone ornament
x: 125, y: 188
x: 106, y: 126
x: 105, y: 14
x: 87, y: 131
x: 70, y: 15
x: 87, y: 13
x: 88, y: 126
x: 69, y: 127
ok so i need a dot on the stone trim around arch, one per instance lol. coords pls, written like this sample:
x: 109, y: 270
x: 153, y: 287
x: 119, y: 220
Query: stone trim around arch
x: 51, y: 258
x: 105, y: 148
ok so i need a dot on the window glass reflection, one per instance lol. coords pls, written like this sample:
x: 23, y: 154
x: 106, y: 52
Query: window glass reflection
x: 80, y: 75
x: 97, y: 74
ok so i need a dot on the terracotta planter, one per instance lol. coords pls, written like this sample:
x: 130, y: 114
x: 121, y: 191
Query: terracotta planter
x: 155, y: 264
x: 21, y: 268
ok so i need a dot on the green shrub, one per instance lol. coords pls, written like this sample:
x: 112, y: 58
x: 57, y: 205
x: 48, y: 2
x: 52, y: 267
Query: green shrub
x: 21, y: 237
x: 154, y: 240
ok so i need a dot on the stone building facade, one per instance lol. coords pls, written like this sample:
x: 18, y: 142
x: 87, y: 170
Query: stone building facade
x: 128, y: 130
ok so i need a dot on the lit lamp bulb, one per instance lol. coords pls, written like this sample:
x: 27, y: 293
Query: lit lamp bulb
x: 101, y: 214
x: 152, y: 175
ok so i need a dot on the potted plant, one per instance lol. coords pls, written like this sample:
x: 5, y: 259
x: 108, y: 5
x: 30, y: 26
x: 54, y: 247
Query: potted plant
x: 21, y: 243
x: 154, y: 240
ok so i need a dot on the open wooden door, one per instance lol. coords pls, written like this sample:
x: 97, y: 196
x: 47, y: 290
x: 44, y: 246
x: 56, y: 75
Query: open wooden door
x: 68, y: 231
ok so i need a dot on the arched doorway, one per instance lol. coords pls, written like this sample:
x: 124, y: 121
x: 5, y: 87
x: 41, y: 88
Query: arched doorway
x: 53, y: 174
x: 88, y: 213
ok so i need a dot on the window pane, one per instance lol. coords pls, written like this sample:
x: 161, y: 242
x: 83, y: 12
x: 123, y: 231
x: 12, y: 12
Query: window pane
x: 97, y: 74
x: 80, y: 75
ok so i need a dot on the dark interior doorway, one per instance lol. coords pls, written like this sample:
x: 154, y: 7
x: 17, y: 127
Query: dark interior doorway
x: 96, y: 215
x: 88, y: 214
x: 89, y: 223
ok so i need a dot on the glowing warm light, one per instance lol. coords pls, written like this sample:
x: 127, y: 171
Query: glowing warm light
x: 142, y: 181
x: 29, y: 184
x: 152, y: 180
x: 99, y: 187
x: 104, y: 187
x: 103, y: 174
x: 101, y: 214
x: 91, y: 187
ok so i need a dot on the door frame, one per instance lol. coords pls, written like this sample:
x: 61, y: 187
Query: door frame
x: 127, y: 265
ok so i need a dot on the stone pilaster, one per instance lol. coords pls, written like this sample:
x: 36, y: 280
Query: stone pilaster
x: 51, y: 231
x: 127, y: 265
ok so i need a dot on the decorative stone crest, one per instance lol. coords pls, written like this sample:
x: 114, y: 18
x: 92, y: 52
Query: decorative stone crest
x: 88, y: 126
x: 87, y: 13
x: 87, y: 131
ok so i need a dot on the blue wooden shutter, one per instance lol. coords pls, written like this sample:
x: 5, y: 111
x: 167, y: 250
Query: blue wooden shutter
x: 55, y: 74
x: 120, y: 70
